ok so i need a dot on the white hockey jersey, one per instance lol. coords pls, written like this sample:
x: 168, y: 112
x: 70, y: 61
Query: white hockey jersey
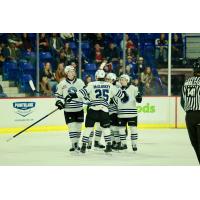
x: 128, y: 109
x: 64, y: 88
x: 100, y: 93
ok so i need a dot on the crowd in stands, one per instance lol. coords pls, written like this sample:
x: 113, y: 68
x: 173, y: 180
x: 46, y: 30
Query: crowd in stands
x: 144, y: 54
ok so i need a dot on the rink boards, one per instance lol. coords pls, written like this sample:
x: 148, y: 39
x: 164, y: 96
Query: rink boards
x: 17, y: 113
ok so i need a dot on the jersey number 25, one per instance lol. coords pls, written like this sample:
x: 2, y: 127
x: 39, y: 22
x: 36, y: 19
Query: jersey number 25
x: 102, y: 94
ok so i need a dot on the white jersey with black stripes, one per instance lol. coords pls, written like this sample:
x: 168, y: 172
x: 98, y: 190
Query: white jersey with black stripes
x: 128, y: 109
x: 100, y: 93
x: 64, y: 88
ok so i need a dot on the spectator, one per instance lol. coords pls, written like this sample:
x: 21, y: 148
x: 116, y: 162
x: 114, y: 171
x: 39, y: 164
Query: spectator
x: 15, y: 39
x: 67, y: 37
x: 43, y: 43
x: 128, y: 71
x: 132, y: 64
x: 97, y: 54
x: 55, y: 44
x: 47, y: 72
x: 62, y: 58
x: 2, y: 59
x: 26, y: 42
x: 161, y: 49
x: 146, y: 80
x: 140, y: 65
x: 120, y: 69
x: 45, y: 87
x: 2, y: 94
x: 129, y: 44
x: 87, y: 80
x: 131, y: 53
x: 11, y: 53
x: 60, y: 74
x: 112, y: 53
x: 69, y: 53
x: 136, y: 82
x: 99, y: 39
x: 177, y: 48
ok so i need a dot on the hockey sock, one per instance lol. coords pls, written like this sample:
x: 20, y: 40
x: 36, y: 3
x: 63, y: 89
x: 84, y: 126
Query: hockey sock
x: 78, y: 137
x: 91, y: 136
x: 115, y: 131
x: 134, y: 135
x: 116, y: 136
x: 73, y: 136
x: 107, y: 134
x: 97, y: 135
x: 75, y: 127
x: 86, y: 134
x: 122, y: 135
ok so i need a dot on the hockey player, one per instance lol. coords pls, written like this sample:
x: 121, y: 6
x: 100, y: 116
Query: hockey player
x: 73, y: 111
x: 111, y: 78
x: 127, y: 112
x: 100, y: 93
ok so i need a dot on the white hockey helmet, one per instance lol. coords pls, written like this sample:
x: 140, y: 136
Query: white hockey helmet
x: 69, y: 68
x: 100, y: 74
x: 111, y: 76
x: 125, y: 76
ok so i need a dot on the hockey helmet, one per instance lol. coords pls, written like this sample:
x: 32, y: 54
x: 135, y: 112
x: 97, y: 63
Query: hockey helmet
x: 100, y: 74
x: 125, y: 76
x: 69, y: 68
x: 111, y: 76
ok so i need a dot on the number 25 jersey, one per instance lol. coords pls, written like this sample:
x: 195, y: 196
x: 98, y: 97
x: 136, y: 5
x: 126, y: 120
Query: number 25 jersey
x: 100, y: 93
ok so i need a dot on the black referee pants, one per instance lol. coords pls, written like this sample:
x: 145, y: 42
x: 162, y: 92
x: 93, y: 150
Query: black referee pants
x: 193, y: 126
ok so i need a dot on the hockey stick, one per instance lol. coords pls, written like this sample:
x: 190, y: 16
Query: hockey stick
x: 32, y: 125
x: 34, y: 90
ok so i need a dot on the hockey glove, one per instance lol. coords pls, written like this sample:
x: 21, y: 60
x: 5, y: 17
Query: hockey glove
x: 60, y: 104
x: 125, y: 98
x: 139, y: 98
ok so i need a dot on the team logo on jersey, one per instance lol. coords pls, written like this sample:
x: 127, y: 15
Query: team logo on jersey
x: 24, y: 108
x: 123, y: 101
x: 72, y: 90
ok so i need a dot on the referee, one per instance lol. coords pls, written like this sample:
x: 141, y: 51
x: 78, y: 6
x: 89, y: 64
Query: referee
x: 190, y: 101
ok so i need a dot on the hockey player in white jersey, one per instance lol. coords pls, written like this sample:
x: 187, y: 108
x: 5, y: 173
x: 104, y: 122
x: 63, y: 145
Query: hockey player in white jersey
x: 73, y: 111
x: 100, y: 93
x: 111, y: 78
x: 127, y: 112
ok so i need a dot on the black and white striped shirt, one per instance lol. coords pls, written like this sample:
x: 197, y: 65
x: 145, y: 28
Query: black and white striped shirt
x: 190, y: 98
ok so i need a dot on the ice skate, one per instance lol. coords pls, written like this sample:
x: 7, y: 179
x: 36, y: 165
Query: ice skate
x: 83, y: 148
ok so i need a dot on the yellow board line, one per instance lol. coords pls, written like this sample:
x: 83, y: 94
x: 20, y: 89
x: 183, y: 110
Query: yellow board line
x: 65, y: 128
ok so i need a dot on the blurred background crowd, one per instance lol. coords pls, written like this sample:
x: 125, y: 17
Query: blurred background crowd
x: 143, y: 56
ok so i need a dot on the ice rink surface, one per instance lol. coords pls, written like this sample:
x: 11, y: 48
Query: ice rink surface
x: 156, y: 147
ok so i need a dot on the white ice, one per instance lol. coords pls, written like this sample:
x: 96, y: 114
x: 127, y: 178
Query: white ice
x: 155, y: 147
